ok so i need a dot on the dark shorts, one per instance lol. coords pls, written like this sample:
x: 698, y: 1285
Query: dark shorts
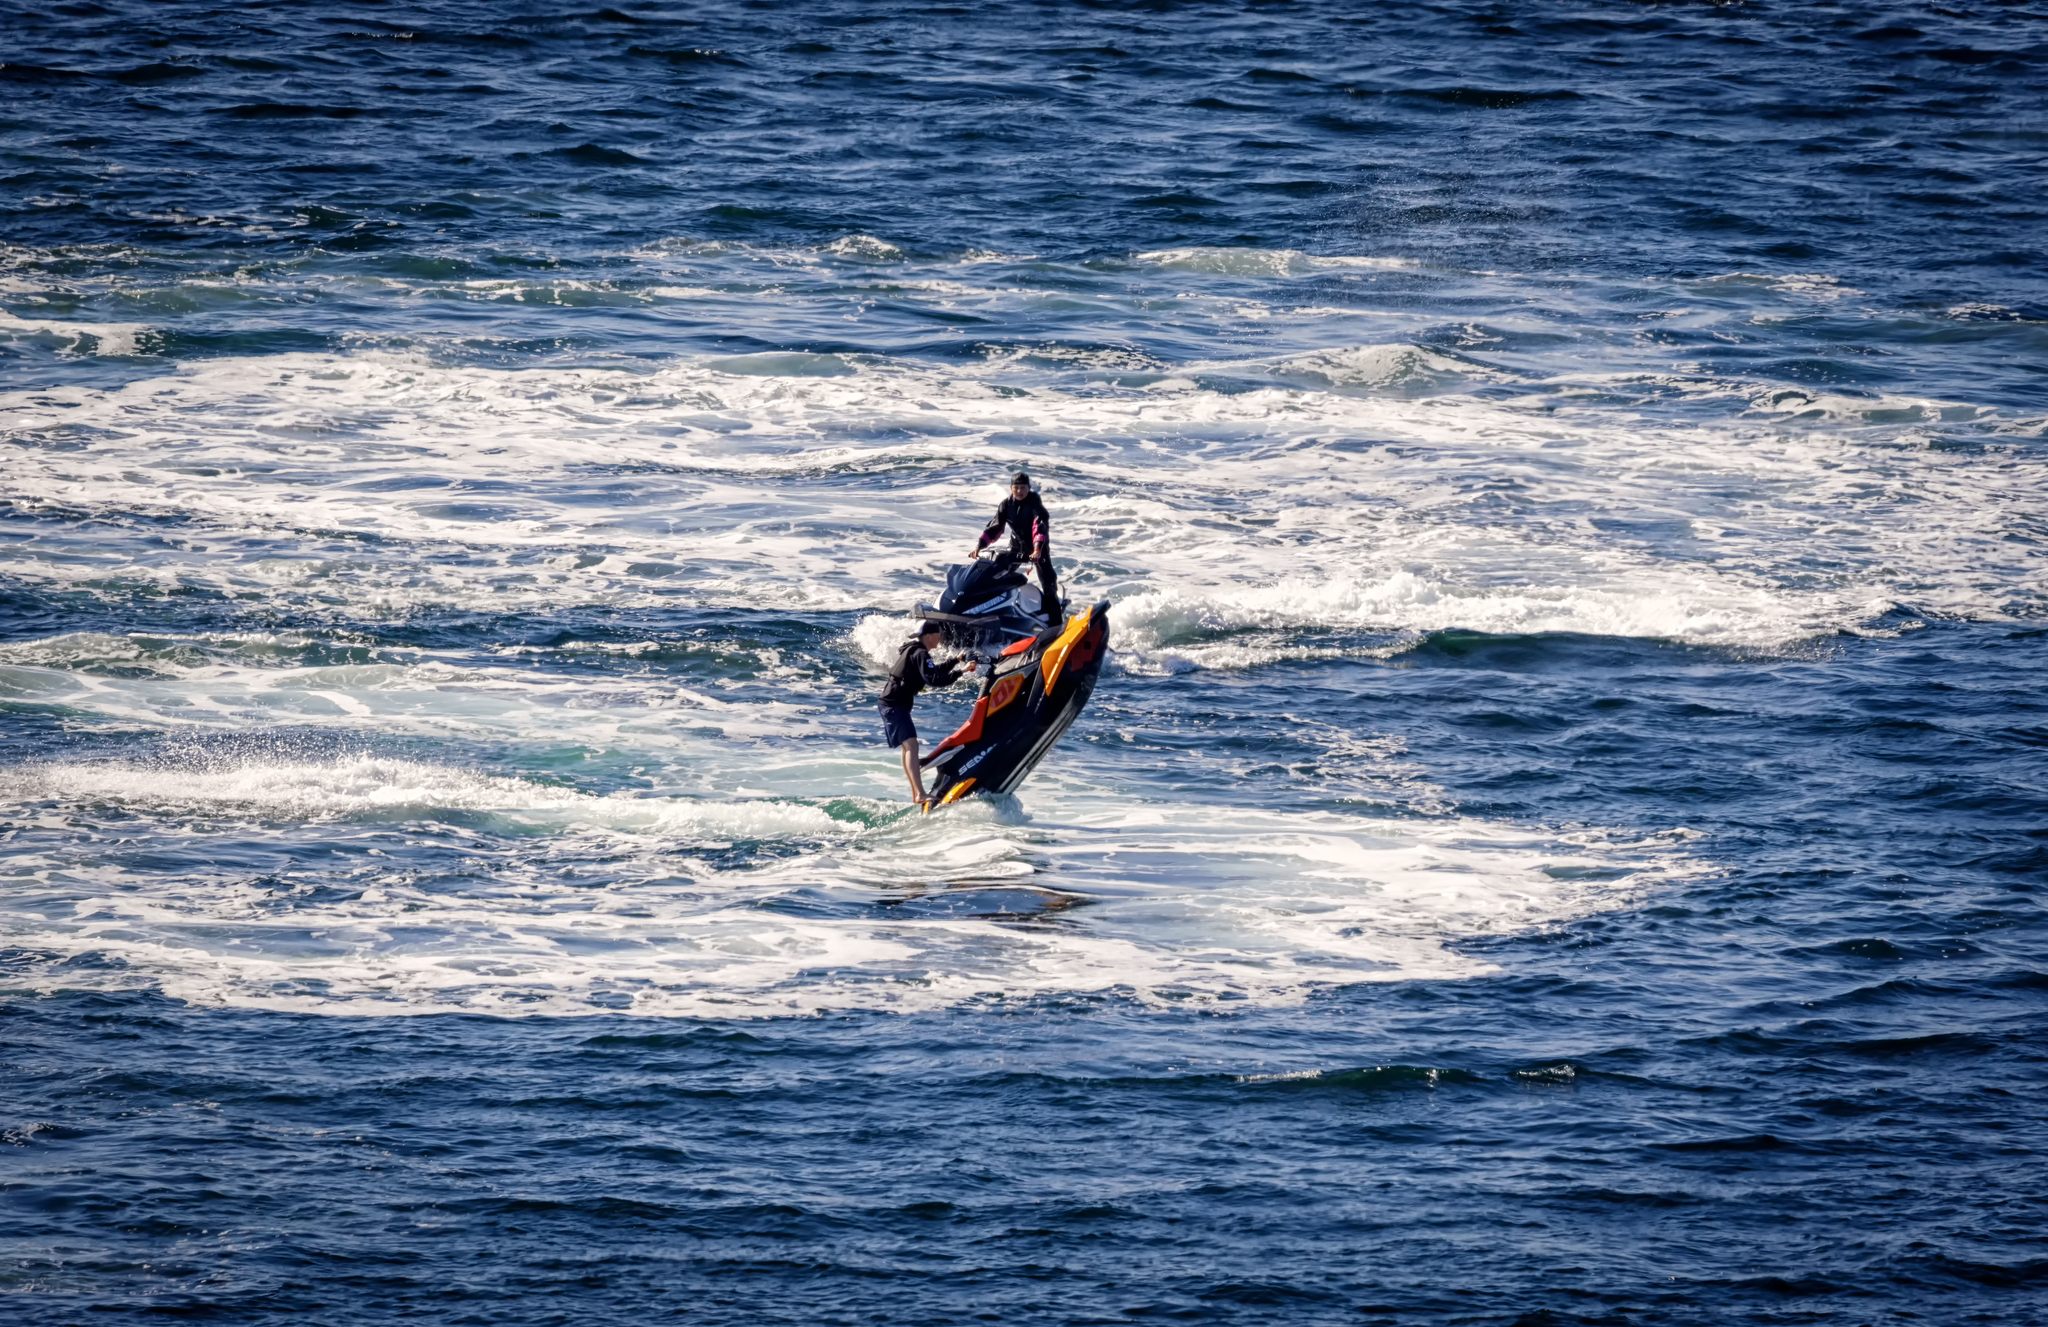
x: 896, y: 726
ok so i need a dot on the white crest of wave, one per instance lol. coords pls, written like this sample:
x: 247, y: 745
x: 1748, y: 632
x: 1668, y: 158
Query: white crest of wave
x: 1817, y: 287
x: 878, y: 636
x: 864, y: 248
x: 1865, y: 410
x: 1171, y: 629
x: 118, y: 339
x: 1261, y: 262
x: 1385, y: 366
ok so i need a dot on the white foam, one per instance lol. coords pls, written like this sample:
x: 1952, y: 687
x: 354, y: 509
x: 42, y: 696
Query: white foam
x: 470, y: 481
x: 1263, y: 262
x: 1197, y: 904
x: 1288, y: 497
x: 864, y: 248
x: 746, y: 484
x: 1168, y: 631
x: 1984, y: 312
x: 1816, y: 287
x: 85, y: 338
x: 877, y: 637
x: 1385, y: 366
x: 1879, y: 409
x: 368, y: 786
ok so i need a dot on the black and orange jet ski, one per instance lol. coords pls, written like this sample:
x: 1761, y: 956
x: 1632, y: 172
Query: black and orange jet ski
x: 1031, y: 693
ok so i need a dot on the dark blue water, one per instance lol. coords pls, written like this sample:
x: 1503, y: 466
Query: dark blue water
x: 1560, y: 838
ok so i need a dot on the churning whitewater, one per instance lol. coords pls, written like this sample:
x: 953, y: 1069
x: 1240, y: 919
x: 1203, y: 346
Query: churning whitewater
x: 1324, y: 505
x: 1556, y: 836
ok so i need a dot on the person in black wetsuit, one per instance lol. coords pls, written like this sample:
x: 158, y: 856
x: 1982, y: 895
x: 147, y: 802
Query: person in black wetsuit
x: 912, y: 672
x: 1023, y: 515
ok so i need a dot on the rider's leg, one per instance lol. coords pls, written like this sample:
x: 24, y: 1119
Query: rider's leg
x: 913, y: 770
x: 1049, y: 586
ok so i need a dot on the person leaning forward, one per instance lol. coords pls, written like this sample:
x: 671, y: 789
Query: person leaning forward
x: 912, y: 672
x: 1023, y: 515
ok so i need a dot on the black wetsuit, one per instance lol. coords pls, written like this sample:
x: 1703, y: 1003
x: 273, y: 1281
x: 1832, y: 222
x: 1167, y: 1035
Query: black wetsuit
x: 1030, y: 528
x: 912, y: 672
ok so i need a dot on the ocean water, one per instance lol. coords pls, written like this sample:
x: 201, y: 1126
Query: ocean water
x: 1560, y: 838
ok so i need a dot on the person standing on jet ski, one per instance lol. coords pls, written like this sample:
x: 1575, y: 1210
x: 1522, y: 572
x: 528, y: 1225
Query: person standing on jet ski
x: 1023, y: 514
x: 912, y: 672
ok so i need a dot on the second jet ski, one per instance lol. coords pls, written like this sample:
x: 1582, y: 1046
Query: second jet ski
x: 990, y: 605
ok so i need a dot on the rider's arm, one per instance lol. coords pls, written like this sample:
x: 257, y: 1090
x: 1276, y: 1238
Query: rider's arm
x: 995, y: 527
x: 941, y: 674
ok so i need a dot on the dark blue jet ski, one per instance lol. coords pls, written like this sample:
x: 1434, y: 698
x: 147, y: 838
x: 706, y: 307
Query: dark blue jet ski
x: 989, y: 605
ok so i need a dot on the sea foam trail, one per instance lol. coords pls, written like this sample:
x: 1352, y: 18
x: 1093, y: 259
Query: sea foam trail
x: 382, y: 789
x: 383, y: 483
x: 1251, y: 262
x: 1189, y: 904
x: 1155, y: 631
x: 211, y: 683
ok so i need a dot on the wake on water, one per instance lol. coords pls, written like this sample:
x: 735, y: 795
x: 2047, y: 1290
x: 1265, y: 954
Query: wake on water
x: 846, y: 904
x: 1316, y: 502
x: 1467, y: 512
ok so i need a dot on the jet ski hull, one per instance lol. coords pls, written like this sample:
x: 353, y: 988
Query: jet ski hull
x: 1031, y: 696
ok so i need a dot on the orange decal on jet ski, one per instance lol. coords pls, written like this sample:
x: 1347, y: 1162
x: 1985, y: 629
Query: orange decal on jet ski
x: 1018, y: 647
x: 1056, y: 653
x: 957, y: 791
x: 1086, y: 648
x: 1005, y: 691
x: 966, y: 732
